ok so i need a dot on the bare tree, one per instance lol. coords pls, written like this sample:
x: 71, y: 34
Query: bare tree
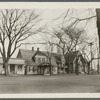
x: 68, y: 41
x: 69, y: 29
x: 67, y: 32
x: 49, y: 46
x: 15, y: 27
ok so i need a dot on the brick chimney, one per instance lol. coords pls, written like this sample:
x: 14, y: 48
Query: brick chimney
x: 32, y: 48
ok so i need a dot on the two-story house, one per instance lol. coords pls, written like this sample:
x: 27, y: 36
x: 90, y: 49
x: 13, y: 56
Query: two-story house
x: 38, y: 62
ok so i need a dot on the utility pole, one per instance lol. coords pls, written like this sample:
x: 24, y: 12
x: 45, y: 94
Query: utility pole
x: 90, y: 44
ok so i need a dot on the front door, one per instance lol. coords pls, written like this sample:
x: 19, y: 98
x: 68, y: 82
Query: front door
x: 12, y: 69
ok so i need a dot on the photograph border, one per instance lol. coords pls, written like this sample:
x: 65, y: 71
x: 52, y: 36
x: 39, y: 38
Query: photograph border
x: 55, y: 96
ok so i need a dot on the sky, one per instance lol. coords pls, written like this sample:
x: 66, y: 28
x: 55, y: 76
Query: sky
x: 48, y: 17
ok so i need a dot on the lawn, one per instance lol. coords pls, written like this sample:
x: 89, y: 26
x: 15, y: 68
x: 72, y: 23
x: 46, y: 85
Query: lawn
x: 50, y: 84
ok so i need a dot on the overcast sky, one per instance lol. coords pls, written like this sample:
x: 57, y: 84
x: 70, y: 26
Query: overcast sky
x: 48, y: 17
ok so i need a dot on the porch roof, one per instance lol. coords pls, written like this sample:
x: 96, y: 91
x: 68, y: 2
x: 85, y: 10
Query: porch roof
x: 44, y: 64
x: 14, y: 61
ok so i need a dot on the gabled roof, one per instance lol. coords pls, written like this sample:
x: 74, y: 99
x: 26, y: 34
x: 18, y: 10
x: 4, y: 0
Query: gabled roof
x: 41, y: 53
x: 27, y: 56
x: 71, y: 56
x: 55, y: 57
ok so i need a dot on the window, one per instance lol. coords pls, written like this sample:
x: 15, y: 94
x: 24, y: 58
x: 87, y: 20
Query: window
x: 61, y: 69
x: 39, y: 60
x: 32, y: 69
x: 36, y: 59
x: 12, y: 68
x: 43, y: 59
x: 19, y: 67
x: 54, y: 69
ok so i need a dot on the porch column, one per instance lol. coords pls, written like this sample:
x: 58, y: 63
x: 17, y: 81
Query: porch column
x: 8, y: 69
x: 16, y: 66
x: 37, y: 70
x: 43, y: 69
x: 23, y: 67
x: 58, y: 69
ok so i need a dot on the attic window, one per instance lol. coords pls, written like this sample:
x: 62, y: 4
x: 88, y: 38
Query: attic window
x: 43, y: 59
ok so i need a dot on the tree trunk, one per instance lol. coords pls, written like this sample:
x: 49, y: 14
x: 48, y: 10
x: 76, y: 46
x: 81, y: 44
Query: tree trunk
x: 77, y: 70
x: 50, y: 66
x: 88, y: 68
x: 50, y: 70
x: 68, y: 65
x: 77, y: 67
x: 98, y: 27
x: 6, y: 68
x: 25, y: 70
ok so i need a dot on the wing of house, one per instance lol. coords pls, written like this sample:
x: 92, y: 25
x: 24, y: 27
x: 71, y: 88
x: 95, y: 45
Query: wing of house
x: 71, y: 62
x: 15, y: 66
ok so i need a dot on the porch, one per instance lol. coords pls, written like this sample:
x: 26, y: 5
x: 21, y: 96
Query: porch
x: 44, y: 69
x: 15, y: 66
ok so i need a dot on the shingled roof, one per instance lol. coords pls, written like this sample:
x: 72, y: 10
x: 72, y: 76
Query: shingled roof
x: 27, y: 55
x: 55, y: 57
x: 71, y: 56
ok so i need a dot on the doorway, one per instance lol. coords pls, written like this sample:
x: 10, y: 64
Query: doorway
x: 12, y: 69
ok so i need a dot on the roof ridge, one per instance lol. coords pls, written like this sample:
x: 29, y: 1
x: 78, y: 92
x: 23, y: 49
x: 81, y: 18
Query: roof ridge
x: 39, y: 50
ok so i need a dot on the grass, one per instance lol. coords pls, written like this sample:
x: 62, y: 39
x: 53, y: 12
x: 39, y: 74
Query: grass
x: 50, y: 84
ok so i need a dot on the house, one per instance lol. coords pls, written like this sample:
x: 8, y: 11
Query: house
x: 74, y: 60
x: 15, y: 66
x: 38, y: 62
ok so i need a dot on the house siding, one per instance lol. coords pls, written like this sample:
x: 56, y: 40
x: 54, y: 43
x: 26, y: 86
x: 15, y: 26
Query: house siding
x: 1, y: 69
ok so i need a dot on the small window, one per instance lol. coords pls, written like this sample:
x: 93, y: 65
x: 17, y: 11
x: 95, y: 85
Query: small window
x: 32, y: 69
x: 61, y: 69
x: 54, y: 69
x: 19, y: 67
